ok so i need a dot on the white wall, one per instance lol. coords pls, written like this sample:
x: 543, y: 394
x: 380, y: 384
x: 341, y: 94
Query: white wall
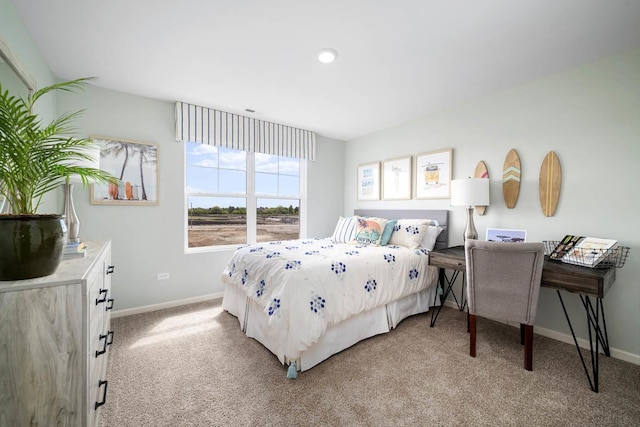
x: 147, y: 240
x: 590, y: 116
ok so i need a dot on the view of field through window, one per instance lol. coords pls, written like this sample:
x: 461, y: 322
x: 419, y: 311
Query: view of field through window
x: 217, y: 182
x: 227, y: 226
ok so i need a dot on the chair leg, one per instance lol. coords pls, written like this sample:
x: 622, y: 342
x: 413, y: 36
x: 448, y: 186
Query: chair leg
x: 472, y: 335
x: 521, y: 333
x: 528, y: 347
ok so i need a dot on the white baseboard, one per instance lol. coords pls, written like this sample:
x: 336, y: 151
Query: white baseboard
x: 566, y: 338
x: 168, y: 304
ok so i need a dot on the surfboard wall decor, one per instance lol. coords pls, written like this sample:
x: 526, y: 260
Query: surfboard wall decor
x: 511, y: 178
x: 481, y: 172
x: 549, y: 183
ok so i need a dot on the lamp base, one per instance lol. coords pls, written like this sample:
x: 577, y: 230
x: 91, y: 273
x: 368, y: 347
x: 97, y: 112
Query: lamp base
x: 70, y: 217
x: 470, y: 231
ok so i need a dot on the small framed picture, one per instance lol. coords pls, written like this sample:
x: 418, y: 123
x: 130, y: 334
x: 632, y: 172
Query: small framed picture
x: 396, y: 179
x: 369, y: 181
x: 506, y: 235
x: 135, y: 165
x: 433, y: 174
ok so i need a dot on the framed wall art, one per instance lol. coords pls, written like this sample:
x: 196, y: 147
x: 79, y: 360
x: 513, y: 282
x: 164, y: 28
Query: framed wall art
x: 506, y: 235
x: 433, y: 174
x: 135, y: 165
x: 396, y: 179
x: 369, y: 181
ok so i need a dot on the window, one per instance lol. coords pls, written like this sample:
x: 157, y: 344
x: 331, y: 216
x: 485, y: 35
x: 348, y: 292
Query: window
x: 235, y: 197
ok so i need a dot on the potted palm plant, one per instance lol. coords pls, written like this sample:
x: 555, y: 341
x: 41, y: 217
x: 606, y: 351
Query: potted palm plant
x: 35, y: 158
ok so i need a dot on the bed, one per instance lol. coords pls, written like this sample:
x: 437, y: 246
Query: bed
x: 308, y: 299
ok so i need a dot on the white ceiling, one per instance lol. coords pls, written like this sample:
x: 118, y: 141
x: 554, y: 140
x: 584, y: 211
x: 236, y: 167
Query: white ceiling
x: 398, y: 60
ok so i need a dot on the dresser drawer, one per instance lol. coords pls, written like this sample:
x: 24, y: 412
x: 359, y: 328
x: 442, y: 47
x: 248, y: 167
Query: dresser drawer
x: 100, y: 302
x: 50, y: 332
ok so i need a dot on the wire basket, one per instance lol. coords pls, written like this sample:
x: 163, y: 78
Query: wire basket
x: 592, y: 258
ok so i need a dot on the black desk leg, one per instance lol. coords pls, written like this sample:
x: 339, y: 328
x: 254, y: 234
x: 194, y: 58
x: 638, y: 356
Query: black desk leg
x: 445, y: 284
x: 593, y: 325
x: 602, y: 336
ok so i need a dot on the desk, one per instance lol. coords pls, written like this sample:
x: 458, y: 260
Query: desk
x: 588, y: 283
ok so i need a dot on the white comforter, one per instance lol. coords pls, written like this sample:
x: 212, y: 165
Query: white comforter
x: 310, y: 284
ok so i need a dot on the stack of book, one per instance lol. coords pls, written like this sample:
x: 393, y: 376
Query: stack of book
x: 74, y: 250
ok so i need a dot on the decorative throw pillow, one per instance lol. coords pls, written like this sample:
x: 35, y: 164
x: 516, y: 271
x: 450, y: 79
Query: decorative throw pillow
x: 345, y: 230
x: 388, y: 229
x: 430, y: 237
x: 409, y: 232
x: 369, y: 230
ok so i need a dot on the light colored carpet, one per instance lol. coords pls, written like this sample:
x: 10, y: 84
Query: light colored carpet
x: 192, y: 366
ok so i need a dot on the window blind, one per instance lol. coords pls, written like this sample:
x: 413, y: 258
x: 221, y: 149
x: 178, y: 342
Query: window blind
x: 222, y: 129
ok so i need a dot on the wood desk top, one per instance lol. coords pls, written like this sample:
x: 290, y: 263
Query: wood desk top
x: 555, y: 274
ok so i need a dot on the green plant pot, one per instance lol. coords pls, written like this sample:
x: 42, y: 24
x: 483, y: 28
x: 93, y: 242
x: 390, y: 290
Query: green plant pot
x: 30, y: 245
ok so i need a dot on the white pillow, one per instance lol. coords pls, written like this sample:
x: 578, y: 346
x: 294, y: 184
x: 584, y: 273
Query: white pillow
x: 409, y: 232
x: 345, y: 230
x: 430, y: 237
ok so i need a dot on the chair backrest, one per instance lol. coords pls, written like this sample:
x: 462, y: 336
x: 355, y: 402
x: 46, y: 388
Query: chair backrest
x: 503, y: 279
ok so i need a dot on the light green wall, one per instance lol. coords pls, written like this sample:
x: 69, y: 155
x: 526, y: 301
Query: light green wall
x: 27, y: 53
x: 590, y: 116
x: 147, y: 240
x: 16, y: 36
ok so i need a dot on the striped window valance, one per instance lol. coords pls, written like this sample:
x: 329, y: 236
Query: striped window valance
x: 213, y: 127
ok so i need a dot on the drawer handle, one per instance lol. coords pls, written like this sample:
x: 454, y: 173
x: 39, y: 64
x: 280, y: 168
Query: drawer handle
x: 109, y: 304
x: 108, y: 340
x: 103, y: 293
x: 104, y: 393
x: 104, y: 346
x: 110, y: 269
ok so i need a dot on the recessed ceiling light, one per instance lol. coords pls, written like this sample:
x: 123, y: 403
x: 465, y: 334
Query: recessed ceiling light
x: 327, y: 56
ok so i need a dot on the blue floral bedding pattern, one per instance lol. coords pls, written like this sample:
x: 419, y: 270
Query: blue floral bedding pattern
x: 308, y: 285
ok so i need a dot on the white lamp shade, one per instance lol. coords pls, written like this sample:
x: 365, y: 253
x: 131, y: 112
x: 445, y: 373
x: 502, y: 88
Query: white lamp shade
x: 94, y: 152
x: 470, y: 192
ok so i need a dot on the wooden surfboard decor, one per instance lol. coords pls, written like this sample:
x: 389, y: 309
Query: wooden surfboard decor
x: 549, y: 183
x: 511, y: 178
x: 481, y: 172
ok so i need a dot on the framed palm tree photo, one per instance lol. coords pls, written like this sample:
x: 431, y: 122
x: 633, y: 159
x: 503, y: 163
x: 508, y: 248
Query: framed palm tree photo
x: 135, y: 165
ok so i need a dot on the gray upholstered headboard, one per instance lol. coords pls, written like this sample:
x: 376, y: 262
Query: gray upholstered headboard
x: 442, y: 216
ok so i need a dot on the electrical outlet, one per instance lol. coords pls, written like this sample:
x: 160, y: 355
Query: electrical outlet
x: 162, y: 276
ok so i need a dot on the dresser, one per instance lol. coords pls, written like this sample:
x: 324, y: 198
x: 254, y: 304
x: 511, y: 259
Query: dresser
x: 54, y: 343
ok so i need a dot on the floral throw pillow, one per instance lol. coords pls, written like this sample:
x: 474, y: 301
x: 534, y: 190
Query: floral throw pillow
x: 409, y: 232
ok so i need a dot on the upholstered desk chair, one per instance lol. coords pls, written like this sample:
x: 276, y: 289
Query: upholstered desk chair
x: 503, y: 282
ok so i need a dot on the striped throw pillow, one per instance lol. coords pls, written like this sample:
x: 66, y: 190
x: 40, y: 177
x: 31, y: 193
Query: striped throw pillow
x: 345, y: 230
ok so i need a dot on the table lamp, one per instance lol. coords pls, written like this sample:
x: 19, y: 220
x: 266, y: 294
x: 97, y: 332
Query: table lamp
x: 470, y: 192
x: 71, y: 219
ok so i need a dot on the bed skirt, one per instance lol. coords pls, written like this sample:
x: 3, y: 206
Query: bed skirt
x: 254, y: 322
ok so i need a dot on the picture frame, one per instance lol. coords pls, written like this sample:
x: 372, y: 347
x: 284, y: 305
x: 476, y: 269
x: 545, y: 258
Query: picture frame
x: 135, y: 164
x: 369, y: 181
x: 396, y: 179
x: 506, y: 235
x: 432, y: 176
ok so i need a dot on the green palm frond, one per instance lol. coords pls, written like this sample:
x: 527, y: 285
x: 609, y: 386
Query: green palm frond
x: 35, y: 158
